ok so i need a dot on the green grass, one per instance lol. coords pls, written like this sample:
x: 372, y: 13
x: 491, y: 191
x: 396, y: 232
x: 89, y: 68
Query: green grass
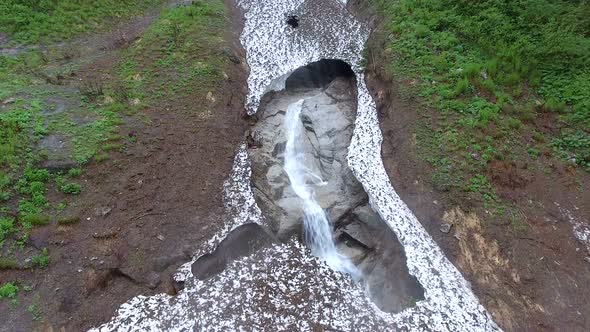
x: 68, y: 220
x: 41, y: 260
x: 181, y: 55
x: 23, y: 185
x: 8, y: 291
x: 33, y: 21
x: 7, y: 227
x: 184, y: 47
x: 491, y: 68
x: 7, y: 263
x: 71, y: 188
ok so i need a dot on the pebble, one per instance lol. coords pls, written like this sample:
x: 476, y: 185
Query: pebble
x: 445, y: 228
x: 160, y: 237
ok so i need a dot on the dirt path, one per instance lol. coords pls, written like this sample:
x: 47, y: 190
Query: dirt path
x: 144, y: 210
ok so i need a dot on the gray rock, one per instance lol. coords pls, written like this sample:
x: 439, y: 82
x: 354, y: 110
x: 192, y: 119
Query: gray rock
x: 58, y: 151
x: 162, y: 263
x: 445, y: 228
x: 102, y: 211
x: 242, y: 241
x: 328, y: 115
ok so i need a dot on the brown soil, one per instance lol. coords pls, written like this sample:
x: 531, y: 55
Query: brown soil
x: 532, y: 277
x: 144, y: 211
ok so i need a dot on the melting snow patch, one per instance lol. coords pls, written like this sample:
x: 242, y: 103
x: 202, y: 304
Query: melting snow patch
x: 285, y: 287
x: 330, y: 32
x: 581, y: 228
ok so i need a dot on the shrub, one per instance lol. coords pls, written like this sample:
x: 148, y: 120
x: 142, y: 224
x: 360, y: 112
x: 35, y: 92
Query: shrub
x: 6, y: 228
x: 71, y: 188
x: 74, y: 172
x: 36, y: 219
x: 8, y: 290
x: 41, y: 260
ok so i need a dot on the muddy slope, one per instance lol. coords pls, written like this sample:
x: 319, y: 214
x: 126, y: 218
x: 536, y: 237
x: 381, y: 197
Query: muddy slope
x: 531, y: 281
x: 145, y: 209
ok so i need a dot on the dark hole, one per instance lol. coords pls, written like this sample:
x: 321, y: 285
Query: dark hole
x: 293, y: 21
x: 318, y: 74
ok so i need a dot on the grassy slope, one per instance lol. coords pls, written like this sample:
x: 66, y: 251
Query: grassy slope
x: 34, y: 21
x: 180, y: 55
x: 492, y: 69
x: 176, y: 57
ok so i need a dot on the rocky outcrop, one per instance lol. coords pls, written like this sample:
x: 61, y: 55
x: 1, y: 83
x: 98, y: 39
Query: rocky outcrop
x: 328, y: 117
x: 328, y: 114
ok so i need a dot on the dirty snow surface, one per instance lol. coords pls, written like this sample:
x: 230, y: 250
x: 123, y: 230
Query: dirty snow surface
x: 285, y: 288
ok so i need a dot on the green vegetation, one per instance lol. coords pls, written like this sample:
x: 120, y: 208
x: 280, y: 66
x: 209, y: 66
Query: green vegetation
x: 38, y: 111
x: 170, y: 60
x: 8, y: 290
x: 46, y: 107
x: 6, y: 228
x: 32, y: 21
x: 68, y: 220
x: 35, y: 308
x: 71, y: 188
x: 492, y: 69
x: 7, y: 263
x: 41, y: 260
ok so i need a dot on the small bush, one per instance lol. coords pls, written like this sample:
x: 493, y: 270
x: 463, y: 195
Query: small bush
x: 41, y: 260
x: 555, y: 105
x: 99, y: 158
x: 75, y: 172
x: 6, y: 228
x: 8, y: 290
x: 71, y: 188
x: 91, y: 90
x: 112, y: 146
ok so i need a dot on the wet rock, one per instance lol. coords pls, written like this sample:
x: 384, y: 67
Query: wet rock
x: 57, y: 150
x: 328, y: 121
x: 328, y: 115
x: 162, y: 263
x: 367, y: 216
x: 170, y: 286
x: 358, y: 232
x: 207, y: 266
x: 243, y: 241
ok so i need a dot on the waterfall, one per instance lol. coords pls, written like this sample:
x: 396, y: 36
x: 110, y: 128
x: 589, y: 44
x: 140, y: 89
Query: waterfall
x: 317, y: 226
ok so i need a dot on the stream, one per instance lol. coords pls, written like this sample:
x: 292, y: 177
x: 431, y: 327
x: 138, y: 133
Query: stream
x: 316, y: 237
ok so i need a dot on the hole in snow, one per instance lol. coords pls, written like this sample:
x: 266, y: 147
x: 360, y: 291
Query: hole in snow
x: 319, y: 74
x: 293, y: 21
